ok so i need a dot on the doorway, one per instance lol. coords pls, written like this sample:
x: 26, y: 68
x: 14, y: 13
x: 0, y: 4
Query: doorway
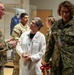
x: 43, y: 14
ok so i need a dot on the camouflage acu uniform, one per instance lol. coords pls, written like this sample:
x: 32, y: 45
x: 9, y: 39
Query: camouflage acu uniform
x: 17, y: 31
x: 61, y: 48
x: 3, y: 55
x: 48, y: 34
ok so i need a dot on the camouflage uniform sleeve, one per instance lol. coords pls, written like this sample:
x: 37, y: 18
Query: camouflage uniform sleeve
x: 3, y: 47
x: 16, y: 33
x: 49, y: 47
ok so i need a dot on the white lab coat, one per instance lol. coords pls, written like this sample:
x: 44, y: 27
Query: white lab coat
x: 36, y: 48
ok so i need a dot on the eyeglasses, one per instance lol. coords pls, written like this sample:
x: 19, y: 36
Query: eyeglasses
x: 33, y: 23
x: 66, y: 12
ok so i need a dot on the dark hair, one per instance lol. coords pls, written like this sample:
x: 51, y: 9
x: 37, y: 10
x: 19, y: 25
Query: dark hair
x: 68, y: 5
x: 23, y: 14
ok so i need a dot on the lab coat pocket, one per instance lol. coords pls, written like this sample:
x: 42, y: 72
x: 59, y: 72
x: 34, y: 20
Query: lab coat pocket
x: 36, y: 46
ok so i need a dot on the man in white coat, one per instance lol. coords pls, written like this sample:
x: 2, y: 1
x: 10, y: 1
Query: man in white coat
x: 31, y: 47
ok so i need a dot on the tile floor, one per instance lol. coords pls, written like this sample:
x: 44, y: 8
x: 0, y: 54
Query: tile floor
x: 8, y: 71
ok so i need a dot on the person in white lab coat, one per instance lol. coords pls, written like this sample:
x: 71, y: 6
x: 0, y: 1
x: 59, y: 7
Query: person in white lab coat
x: 31, y: 47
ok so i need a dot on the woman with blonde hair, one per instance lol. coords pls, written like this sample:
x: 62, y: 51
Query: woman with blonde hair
x: 49, y: 22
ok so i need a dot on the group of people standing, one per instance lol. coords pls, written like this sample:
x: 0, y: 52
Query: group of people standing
x: 56, y: 48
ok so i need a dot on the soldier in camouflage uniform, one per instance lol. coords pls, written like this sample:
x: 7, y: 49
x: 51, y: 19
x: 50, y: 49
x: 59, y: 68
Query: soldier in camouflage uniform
x: 17, y: 31
x: 49, y: 22
x: 4, y: 46
x: 61, y: 44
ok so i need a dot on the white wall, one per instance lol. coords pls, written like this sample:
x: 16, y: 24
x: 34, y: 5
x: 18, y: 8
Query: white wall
x: 48, y: 4
x: 10, y: 1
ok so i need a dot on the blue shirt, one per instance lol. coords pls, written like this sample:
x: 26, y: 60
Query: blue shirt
x: 14, y: 21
